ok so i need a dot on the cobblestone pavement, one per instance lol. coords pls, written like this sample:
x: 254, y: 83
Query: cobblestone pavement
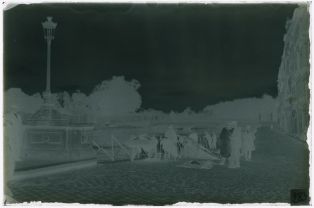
x: 279, y: 164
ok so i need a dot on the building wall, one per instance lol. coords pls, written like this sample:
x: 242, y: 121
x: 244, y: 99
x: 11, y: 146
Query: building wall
x: 293, y: 77
x: 57, y: 145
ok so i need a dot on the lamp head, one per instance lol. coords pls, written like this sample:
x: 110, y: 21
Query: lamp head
x: 49, y: 27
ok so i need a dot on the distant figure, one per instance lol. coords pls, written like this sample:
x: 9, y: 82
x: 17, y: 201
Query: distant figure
x: 170, y: 149
x: 209, y: 139
x: 154, y: 149
x: 248, y: 143
x: 224, y: 143
x: 158, y: 145
x: 160, y: 148
x: 179, y: 146
x: 214, y: 140
x: 235, y: 143
x: 170, y: 143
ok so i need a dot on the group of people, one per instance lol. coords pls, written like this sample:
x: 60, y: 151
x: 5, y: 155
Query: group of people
x: 182, y: 145
x: 234, y: 143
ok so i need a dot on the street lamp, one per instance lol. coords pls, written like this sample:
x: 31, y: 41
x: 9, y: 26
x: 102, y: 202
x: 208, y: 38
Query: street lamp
x: 49, y: 28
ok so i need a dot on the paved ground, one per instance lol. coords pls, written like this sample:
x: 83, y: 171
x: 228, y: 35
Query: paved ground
x: 279, y: 165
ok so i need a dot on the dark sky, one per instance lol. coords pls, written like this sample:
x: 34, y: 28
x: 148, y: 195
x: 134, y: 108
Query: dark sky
x: 183, y: 55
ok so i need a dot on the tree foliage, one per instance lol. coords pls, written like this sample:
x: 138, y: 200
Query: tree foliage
x: 16, y: 100
x: 115, y: 96
x: 111, y: 97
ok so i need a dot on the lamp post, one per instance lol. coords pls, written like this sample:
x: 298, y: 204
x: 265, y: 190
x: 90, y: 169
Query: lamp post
x: 49, y: 28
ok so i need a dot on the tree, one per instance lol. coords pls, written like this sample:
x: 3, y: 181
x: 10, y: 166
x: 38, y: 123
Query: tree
x: 77, y: 104
x: 65, y: 101
x: 56, y: 100
x: 245, y: 108
x: 15, y: 99
x: 115, y: 97
x: 80, y: 103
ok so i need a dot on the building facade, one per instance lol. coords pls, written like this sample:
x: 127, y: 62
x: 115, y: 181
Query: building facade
x: 293, y: 77
x: 52, y: 137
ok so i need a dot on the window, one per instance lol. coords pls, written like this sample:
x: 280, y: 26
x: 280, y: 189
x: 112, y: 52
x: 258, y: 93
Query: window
x: 45, y: 137
x: 55, y: 138
x: 85, y: 138
x: 38, y: 138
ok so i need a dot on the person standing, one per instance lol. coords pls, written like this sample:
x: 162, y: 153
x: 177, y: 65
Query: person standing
x: 209, y: 139
x: 224, y: 144
x: 247, y: 143
x: 251, y: 145
x: 214, y: 140
x: 179, y: 146
x: 235, y: 143
x: 170, y: 143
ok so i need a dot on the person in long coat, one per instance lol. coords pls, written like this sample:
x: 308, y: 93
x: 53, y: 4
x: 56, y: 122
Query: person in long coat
x: 224, y: 144
x: 236, y: 143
